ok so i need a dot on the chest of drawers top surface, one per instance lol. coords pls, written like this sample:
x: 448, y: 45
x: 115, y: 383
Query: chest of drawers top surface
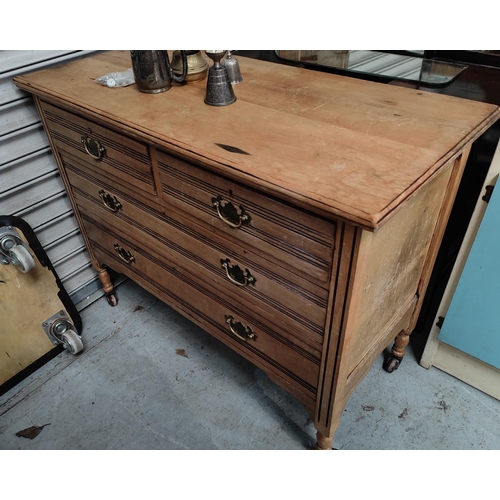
x: 337, y: 146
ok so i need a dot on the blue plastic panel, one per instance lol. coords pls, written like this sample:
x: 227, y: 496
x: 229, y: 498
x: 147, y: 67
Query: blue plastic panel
x: 472, y: 323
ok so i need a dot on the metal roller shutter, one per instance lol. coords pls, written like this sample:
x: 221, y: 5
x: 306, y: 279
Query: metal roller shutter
x: 30, y: 186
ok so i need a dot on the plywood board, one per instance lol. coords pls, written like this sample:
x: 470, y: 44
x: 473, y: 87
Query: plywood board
x: 26, y: 299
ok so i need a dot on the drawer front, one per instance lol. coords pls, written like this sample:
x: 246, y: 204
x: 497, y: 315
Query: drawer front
x: 282, y: 232
x: 207, y: 307
x: 103, y: 151
x: 298, y: 311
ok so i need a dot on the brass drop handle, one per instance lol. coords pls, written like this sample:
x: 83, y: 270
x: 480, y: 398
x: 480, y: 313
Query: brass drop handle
x: 229, y: 214
x: 124, y: 254
x: 236, y: 275
x: 110, y: 202
x: 239, y: 330
x: 93, y: 147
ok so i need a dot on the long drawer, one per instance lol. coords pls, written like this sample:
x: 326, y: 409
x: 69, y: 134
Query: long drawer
x: 207, y: 307
x: 103, y: 151
x: 290, y: 303
x: 284, y: 233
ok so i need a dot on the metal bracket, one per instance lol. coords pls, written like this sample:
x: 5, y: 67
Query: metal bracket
x: 9, y: 237
x: 440, y: 322
x: 489, y: 192
x: 13, y: 250
x: 43, y: 259
x: 61, y: 330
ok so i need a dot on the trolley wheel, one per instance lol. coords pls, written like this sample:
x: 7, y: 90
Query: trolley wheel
x: 72, y: 342
x: 21, y: 258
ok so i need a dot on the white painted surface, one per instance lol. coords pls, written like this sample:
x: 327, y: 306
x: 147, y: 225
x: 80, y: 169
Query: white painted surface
x: 436, y: 353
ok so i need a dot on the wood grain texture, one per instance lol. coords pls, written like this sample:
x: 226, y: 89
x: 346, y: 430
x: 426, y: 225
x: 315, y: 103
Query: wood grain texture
x: 341, y: 146
x: 348, y: 185
x: 394, y: 257
x: 277, y: 301
x: 200, y: 301
x: 123, y: 159
x: 26, y: 300
x: 299, y: 238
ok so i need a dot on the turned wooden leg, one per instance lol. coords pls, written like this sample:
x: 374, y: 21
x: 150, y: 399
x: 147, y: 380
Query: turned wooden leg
x: 398, y: 351
x: 107, y: 287
x: 323, y: 442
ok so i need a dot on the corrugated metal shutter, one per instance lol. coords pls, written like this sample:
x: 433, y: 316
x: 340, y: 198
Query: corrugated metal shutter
x: 30, y: 186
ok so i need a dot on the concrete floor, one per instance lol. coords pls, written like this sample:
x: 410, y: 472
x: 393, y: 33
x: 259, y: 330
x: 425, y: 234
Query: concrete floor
x: 149, y: 379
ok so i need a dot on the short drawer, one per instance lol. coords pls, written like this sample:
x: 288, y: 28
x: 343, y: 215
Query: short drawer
x: 215, y: 312
x: 103, y: 151
x: 295, y: 305
x: 284, y: 233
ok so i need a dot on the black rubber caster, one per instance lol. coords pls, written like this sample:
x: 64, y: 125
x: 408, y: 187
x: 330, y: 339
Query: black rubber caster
x: 392, y: 363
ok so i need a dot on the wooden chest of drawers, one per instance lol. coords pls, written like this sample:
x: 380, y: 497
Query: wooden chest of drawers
x: 298, y: 226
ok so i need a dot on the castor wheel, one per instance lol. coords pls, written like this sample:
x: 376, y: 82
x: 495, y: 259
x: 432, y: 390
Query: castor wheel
x: 61, y: 330
x: 72, y: 342
x: 13, y: 250
x: 22, y: 258
x: 392, y: 363
x: 112, y: 300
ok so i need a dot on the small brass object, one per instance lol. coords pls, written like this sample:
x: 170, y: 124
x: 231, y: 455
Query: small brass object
x: 197, y: 66
x: 93, y: 147
x: 110, y: 202
x: 124, y: 254
x: 240, y: 331
x: 236, y: 275
x: 229, y: 214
